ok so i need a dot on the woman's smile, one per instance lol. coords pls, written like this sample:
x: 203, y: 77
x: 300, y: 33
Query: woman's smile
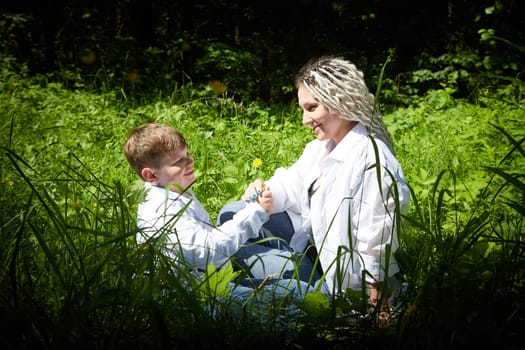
x: 325, y: 125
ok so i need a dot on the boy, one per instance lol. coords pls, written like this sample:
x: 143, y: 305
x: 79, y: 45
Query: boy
x: 159, y: 155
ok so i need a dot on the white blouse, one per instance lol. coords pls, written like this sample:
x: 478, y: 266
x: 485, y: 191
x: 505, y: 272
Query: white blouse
x: 188, y: 229
x: 352, y: 216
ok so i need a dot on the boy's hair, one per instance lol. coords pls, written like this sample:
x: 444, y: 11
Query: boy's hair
x: 149, y: 143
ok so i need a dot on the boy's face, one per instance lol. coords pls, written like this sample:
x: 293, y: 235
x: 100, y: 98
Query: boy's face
x: 175, y: 168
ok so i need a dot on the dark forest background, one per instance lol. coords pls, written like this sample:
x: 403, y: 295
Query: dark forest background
x: 253, y: 48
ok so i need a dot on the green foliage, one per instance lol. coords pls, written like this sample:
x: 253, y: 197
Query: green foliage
x: 464, y: 266
x: 217, y: 283
x: 73, y: 274
x: 460, y: 74
x: 146, y: 48
x: 71, y: 266
x: 230, y: 66
x: 317, y: 305
x: 451, y: 131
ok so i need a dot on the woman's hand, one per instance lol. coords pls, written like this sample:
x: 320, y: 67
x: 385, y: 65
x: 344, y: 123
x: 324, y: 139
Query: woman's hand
x: 254, y: 191
x: 266, y: 201
x: 258, y: 192
x: 375, y: 294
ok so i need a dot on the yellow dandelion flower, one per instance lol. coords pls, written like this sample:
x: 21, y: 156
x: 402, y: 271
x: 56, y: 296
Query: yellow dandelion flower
x: 87, y: 56
x: 411, y: 308
x: 257, y: 163
x: 133, y: 76
x: 76, y: 205
x: 218, y: 86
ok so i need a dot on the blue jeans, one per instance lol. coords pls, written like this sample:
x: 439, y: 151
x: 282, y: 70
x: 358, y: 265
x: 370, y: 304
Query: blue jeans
x: 257, y: 304
x: 270, y: 253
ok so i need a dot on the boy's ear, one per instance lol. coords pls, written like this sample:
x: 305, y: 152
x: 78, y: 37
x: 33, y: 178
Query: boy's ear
x: 149, y: 175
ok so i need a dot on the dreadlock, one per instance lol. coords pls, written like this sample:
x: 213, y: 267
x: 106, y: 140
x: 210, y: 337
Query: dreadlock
x: 340, y: 87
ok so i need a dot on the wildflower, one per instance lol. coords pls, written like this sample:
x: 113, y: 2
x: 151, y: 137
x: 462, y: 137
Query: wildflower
x: 411, y: 308
x: 133, y: 76
x: 75, y: 205
x: 257, y: 163
x: 11, y: 183
x: 218, y: 86
x: 87, y: 56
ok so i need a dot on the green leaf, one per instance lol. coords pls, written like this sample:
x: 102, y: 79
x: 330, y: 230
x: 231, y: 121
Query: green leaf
x: 316, y: 304
x: 216, y: 282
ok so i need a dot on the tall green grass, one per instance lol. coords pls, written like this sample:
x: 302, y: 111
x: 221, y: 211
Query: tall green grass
x: 75, y: 276
x: 72, y: 274
x: 466, y: 267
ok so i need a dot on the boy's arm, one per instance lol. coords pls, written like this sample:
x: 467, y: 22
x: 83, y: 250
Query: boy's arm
x: 190, y: 235
x: 202, y: 243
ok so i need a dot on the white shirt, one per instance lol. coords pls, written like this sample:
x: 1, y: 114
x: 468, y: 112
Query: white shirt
x: 352, y: 189
x: 186, y: 226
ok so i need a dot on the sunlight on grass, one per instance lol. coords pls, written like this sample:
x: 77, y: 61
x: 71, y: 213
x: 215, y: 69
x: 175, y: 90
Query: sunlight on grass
x: 72, y: 272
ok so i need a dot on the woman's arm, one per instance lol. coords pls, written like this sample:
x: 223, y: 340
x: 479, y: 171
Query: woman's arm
x: 381, y: 197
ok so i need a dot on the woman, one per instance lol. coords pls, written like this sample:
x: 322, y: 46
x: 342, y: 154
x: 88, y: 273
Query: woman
x: 346, y: 192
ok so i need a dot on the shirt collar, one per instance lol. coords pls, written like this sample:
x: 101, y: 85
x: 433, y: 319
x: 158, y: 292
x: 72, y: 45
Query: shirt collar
x: 348, y: 142
x: 171, y: 195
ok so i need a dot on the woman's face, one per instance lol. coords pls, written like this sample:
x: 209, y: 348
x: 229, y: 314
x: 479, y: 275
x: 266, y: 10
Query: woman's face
x: 325, y: 125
